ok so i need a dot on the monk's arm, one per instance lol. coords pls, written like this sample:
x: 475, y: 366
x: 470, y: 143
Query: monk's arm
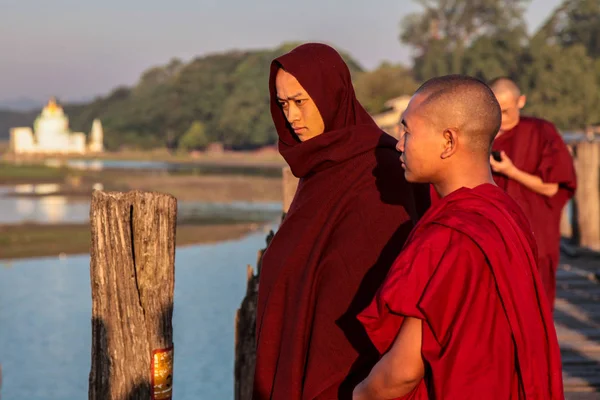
x: 531, y: 182
x: 534, y: 183
x: 400, y: 370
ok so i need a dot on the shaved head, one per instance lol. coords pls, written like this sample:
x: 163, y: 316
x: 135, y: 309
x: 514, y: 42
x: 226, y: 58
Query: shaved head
x: 503, y: 85
x: 465, y: 104
x: 448, y: 130
x: 511, y: 102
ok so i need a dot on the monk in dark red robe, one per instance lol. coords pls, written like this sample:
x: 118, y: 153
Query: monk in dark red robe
x: 461, y: 314
x: 536, y: 170
x: 352, y: 210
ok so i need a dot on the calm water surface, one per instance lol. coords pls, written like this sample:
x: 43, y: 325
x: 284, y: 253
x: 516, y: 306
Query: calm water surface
x: 17, y: 205
x: 45, y: 312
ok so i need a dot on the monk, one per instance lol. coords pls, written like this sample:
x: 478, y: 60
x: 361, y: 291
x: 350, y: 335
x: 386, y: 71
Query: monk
x: 351, y: 211
x: 461, y: 314
x: 536, y: 170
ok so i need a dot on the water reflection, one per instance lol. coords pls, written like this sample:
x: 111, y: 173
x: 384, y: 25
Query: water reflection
x: 41, y: 189
x: 45, y: 209
x: 53, y: 208
x: 170, y: 167
x: 91, y: 165
x: 56, y: 209
x: 45, y: 322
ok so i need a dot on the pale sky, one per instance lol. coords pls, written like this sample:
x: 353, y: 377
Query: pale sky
x: 76, y: 49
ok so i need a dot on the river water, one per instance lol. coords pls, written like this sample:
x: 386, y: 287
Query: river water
x: 45, y: 328
x: 38, y: 204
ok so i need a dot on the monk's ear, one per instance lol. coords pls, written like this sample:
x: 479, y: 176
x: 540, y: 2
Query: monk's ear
x: 450, y: 142
x: 521, y: 101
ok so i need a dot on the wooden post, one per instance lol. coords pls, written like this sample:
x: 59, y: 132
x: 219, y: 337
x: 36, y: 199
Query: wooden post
x: 566, y: 223
x: 568, y: 218
x: 290, y: 184
x: 245, y: 333
x: 590, y: 133
x: 132, y: 273
x: 588, y: 195
x: 245, y: 340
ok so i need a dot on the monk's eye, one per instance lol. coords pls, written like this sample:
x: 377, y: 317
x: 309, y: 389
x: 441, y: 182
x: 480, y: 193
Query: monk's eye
x: 300, y: 102
x: 283, y: 104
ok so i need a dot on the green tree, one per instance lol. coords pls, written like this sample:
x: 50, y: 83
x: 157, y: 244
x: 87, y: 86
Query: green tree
x: 443, y: 31
x: 576, y: 22
x: 498, y: 54
x: 195, y: 137
x: 374, y: 88
x: 226, y: 91
x: 562, y: 84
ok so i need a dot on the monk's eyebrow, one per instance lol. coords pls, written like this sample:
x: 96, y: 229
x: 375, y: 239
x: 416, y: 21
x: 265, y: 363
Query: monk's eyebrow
x: 403, y: 123
x: 294, y: 97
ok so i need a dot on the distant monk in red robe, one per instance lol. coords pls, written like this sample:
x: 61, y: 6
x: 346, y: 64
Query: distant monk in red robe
x: 536, y: 170
x: 351, y: 212
x: 461, y: 314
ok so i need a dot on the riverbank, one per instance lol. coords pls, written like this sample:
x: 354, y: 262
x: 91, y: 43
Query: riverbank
x: 60, y: 187
x: 38, y: 240
x: 265, y: 158
x: 186, y: 185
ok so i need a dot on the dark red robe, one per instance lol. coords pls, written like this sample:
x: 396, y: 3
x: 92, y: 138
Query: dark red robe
x: 469, y: 272
x: 351, y: 213
x: 534, y: 146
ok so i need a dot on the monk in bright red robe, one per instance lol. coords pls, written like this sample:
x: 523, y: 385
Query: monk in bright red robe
x: 461, y: 314
x: 536, y: 170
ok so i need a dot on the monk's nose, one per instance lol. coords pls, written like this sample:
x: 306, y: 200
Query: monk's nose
x: 293, y: 114
x: 400, y: 145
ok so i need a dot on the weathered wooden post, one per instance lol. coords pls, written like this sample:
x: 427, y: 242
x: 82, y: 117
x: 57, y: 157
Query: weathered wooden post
x: 132, y: 273
x: 567, y: 219
x: 587, y: 195
x: 566, y: 224
x: 245, y: 337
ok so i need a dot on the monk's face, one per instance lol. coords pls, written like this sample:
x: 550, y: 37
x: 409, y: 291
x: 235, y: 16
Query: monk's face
x: 299, y: 108
x: 419, y: 143
x: 511, y: 106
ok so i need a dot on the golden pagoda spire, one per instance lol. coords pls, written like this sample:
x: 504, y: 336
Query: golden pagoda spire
x: 52, y: 107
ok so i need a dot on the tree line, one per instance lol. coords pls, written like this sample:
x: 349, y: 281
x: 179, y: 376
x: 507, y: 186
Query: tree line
x: 224, y: 98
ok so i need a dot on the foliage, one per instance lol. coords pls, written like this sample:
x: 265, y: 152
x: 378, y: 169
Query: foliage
x: 576, y: 22
x: 558, y: 68
x: 374, y: 88
x: 195, y: 137
x: 227, y: 92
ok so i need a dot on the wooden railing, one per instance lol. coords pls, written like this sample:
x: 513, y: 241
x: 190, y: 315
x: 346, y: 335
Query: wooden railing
x: 581, y: 217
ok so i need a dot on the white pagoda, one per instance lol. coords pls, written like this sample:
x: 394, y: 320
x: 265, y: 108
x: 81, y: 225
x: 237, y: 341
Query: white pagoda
x: 51, y: 135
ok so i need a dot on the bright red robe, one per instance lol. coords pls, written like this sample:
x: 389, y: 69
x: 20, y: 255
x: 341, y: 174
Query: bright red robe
x: 534, y: 146
x: 469, y: 272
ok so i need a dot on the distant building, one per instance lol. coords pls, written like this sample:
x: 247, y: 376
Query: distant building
x: 96, y: 138
x: 388, y: 119
x: 51, y: 135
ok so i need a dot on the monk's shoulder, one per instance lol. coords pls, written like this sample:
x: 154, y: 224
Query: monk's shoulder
x: 439, y: 238
x: 545, y: 129
x: 443, y: 251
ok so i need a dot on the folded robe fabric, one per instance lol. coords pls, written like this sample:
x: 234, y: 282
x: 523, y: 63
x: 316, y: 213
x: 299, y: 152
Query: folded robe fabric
x: 469, y: 272
x: 351, y: 214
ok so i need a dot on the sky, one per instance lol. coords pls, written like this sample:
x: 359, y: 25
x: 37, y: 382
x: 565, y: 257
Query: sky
x: 77, y: 49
